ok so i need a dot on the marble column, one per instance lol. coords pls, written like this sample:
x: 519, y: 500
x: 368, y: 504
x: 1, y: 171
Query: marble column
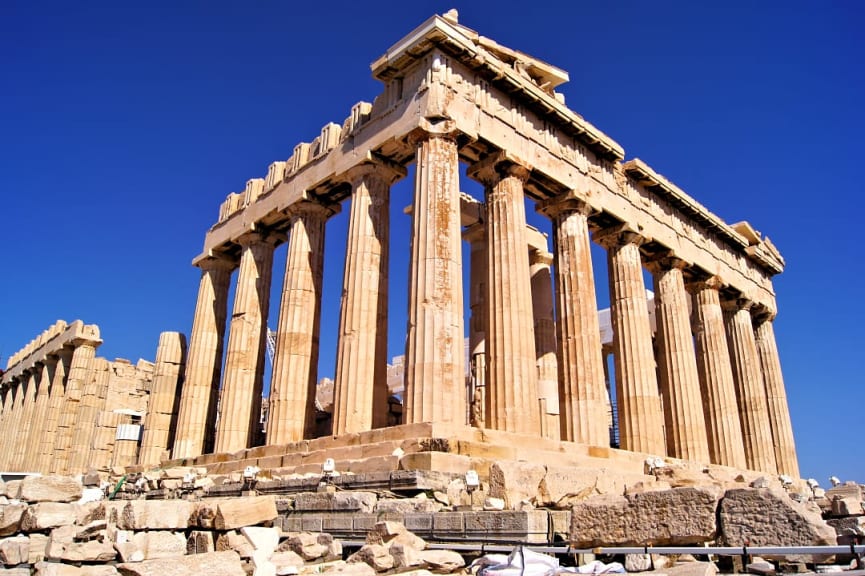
x: 360, y: 383
x: 685, y: 424
x: 55, y: 405
x: 435, y: 378
x: 512, y: 377
x: 641, y: 425
x: 240, y: 398
x: 545, y: 342
x: 199, y: 394
x: 476, y: 236
x: 11, y: 413
x: 291, y: 412
x: 776, y: 396
x: 40, y: 414
x: 23, y: 427
x: 80, y: 372
x: 750, y: 388
x: 583, y: 398
x: 92, y: 402
x: 723, y: 427
x: 161, y: 418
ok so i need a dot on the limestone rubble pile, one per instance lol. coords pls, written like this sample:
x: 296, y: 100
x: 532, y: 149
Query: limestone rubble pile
x: 46, y: 534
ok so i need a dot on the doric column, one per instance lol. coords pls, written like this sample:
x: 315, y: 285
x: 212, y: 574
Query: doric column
x: 545, y: 342
x: 685, y: 424
x: 776, y: 396
x: 640, y: 419
x: 750, y: 389
x: 55, y: 406
x: 161, y: 418
x: 360, y: 383
x: 24, y: 424
x: 435, y: 353
x: 92, y: 402
x: 91, y: 450
x: 512, y: 377
x: 723, y: 427
x: 6, y: 398
x: 291, y: 408
x: 583, y: 398
x: 12, y: 413
x: 38, y: 422
x: 476, y: 236
x: 80, y: 372
x: 240, y: 398
x: 199, y: 394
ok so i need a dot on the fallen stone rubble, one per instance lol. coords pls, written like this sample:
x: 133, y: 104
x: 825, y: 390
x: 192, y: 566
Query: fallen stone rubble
x: 61, y: 526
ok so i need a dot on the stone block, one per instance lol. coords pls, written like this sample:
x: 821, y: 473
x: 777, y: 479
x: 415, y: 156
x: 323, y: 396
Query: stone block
x: 341, y: 568
x: 449, y: 523
x: 376, y: 556
x: 670, y: 517
x: 422, y: 522
x: 200, y: 542
x: 766, y: 517
x: 38, y: 546
x: 212, y: 563
x: 232, y: 540
x: 13, y: 489
x: 847, y: 506
x: 14, y: 550
x: 515, y: 482
x: 90, y: 551
x: 526, y: 526
x: 156, y: 544
x: 50, y: 489
x: 10, y: 518
x: 440, y: 461
x: 405, y: 557
x: 362, y: 502
x: 240, y: 512
x: 307, y: 545
x: 156, y: 515
x: 45, y: 515
x: 442, y: 561
x: 337, y: 523
x: 407, y: 505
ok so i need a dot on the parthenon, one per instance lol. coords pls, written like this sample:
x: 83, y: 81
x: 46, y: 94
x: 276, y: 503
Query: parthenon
x: 705, y: 385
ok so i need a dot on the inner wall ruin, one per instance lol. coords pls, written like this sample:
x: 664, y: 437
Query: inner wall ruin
x: 703, y: 385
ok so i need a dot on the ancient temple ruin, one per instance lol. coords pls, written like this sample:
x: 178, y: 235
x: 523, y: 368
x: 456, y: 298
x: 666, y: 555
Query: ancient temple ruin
x: 705, y: 386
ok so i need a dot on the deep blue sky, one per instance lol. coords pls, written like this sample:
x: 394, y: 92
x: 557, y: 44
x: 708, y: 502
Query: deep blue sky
x: 124, y: 125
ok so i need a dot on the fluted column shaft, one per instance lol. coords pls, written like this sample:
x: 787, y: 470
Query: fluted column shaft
x: 360, y: 382
x: 776, y: 396
x: 512, y: 377
x: 24, y: 425
x: 640, y: 419
x: 291, y: 408
x: 99, y: 447
x: 15, y: 404
x: 723, y: 427
x: 40, y: 414
x: 196, y: 416
x: 240, y: 399
x: 80, y: 372
x: 545, y: 342
x: 685, y: 424
x: 160, y: 420
x: 92, y: 403
x: 55, y: 405
x: 6, y: 398
x: 435, y: 353
x: 750, y: 389
x: 583, y: 398
x: 476, y: 236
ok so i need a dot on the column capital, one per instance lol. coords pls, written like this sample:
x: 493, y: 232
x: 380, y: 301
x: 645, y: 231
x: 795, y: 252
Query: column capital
x: 475, y: 233
x: 380, y: 168
x: 310, y: 207
x: 537, y: 256
x: 697, y: 285
x: 570, y: 201
x: 216, y: 263
x: 620, y: 235
x: 433, y: 128
x: 498, y: 165
x: 259, y: 237
x: 665, y: 261
x: 734, y: 305
x: 762, y: 313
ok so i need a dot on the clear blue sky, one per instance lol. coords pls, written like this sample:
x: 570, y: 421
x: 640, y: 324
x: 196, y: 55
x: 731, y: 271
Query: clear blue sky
x: 125, y: 124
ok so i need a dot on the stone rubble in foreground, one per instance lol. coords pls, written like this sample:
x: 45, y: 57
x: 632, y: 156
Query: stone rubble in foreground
x: 169, y: 522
